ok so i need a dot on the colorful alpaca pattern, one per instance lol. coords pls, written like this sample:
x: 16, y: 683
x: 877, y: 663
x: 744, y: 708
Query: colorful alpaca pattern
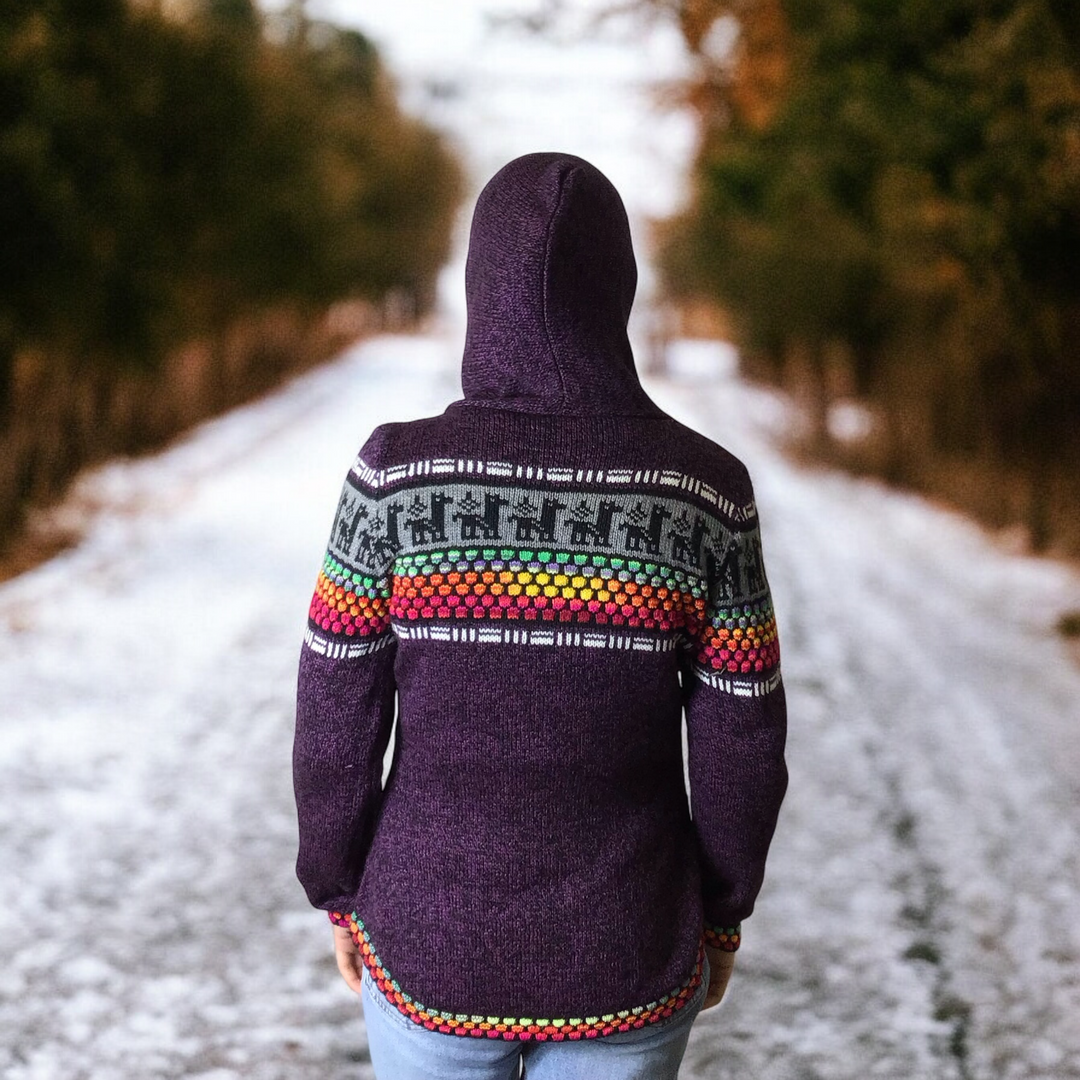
x: 615, y: 554
x: 512, y: 1027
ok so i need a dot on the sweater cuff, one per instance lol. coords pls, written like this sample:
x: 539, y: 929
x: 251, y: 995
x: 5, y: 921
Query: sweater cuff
x: 338, y: 919
x: 727, y: 938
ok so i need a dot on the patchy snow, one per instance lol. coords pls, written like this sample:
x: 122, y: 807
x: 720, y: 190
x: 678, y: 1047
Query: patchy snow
x: 850, y: 421
x: 922, y: 908
x: 152, y: 925
x: 921, y: 914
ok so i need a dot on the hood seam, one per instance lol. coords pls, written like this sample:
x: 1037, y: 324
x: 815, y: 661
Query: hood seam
x: 547, y: 264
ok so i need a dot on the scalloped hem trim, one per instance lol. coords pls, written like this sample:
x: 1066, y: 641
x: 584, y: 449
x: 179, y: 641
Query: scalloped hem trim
x: 510, y: 1027
x: 728, y: 938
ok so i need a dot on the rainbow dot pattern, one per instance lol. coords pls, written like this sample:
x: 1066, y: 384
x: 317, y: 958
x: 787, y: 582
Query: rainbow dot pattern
x: 728, y: 938
x: 512, y: 1027
x: 740, y: 639
x: 348, y: 603
x: 556, y: 587
x: 543, y: 586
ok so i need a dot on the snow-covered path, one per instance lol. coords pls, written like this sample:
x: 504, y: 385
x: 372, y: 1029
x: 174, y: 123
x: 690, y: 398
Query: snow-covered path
x: 921, y: 916
x: 922, y: 913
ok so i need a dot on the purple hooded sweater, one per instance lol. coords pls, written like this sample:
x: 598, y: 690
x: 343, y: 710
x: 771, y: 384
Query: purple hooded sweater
x: 544, y: 576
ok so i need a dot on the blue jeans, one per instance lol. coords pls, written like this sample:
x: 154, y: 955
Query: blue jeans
x: 403, y: 1050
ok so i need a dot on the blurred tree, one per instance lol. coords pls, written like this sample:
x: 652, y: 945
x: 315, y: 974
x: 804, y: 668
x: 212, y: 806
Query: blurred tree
x: 239, y: 17
x: 895, y: 187
x: 161, y: 178
x: 296, y: 13
x: 157, y: 176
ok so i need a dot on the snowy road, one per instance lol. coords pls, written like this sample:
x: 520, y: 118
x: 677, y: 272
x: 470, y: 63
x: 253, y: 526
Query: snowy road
x: 921, y: 916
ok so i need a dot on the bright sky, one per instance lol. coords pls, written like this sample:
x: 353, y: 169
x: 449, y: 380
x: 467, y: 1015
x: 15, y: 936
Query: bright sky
x: 501, y: 93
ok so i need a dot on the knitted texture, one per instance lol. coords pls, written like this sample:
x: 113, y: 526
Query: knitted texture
x: 542, y: 579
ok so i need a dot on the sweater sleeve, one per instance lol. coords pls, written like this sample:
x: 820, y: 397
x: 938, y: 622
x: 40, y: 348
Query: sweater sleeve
x: 736, y: 721
x: 345, y: 696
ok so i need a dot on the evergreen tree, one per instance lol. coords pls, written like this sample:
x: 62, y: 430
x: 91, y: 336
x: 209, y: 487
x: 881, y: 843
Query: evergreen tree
x: 164, y: 180
x: 898, y: 183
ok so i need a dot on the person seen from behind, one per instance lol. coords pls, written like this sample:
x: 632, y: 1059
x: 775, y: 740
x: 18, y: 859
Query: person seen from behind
x: 537, y: 584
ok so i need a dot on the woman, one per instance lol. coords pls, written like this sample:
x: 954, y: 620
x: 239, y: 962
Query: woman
x: 544, y: 576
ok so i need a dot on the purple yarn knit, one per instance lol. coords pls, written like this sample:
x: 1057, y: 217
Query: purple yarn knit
x: 544, y: 575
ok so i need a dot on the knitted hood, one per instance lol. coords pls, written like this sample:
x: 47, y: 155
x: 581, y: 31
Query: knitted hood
x: 549, y: 281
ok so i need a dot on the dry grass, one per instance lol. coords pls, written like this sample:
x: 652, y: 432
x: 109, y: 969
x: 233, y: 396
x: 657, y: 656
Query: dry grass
x: 63, y: 417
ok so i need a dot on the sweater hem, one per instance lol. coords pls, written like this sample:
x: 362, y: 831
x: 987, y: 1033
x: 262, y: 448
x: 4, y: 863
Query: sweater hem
x: 511, y: 1027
